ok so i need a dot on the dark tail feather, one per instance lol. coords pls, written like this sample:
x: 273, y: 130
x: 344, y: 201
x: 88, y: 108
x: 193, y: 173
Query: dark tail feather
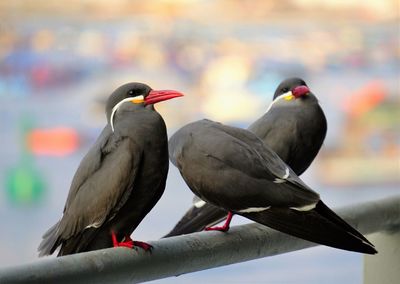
x: 196, y: 219
x: 325, y: 211
x: 49, y: 243
x: 87, y: 240
x: 71, y: 245
x: 320, y: 225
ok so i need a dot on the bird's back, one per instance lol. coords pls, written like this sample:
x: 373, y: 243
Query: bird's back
x: 227, y: 164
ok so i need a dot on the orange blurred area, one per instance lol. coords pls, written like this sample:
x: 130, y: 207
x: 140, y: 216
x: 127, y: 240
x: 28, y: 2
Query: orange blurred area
x: 365, y: 99
x: 59, y: 141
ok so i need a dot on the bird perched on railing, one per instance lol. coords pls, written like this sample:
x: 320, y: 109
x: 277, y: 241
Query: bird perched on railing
x: 233, y: 169
x: 294, y: 127
x: 119, y: 180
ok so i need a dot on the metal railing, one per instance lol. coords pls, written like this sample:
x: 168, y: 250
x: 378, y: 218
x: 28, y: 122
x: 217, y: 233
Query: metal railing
x: 194, y: 252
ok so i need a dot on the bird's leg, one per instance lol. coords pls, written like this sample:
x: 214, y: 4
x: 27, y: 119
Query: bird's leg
x: 224, y: 227
x: 129, y: 243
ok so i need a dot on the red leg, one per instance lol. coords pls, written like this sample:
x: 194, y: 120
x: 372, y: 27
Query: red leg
x: 129, y: 243
x: 224, y: 227
x: 114, y: 239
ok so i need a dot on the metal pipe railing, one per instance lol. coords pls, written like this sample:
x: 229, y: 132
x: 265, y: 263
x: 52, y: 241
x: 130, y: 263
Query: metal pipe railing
x: 194, y: 252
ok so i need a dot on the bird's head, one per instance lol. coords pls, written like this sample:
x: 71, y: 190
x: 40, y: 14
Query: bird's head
x: 138, y: 94
x: 292, y: 88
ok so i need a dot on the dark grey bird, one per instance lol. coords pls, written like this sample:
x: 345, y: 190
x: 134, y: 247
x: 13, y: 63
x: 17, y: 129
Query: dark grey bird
x: 119, y: 180
x: 294, y: 127
x: 233, y: 169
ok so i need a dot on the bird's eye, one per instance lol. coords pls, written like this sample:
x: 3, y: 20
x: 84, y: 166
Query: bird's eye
x: 131, y: 93
x: 285, y: 90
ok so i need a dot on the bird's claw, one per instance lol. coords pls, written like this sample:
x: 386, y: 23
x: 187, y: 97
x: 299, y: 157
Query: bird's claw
x: 220, y: 229
x: 126, y: 243
x: 225, y: 227
x: 129, y: 243
x: 143, y: 245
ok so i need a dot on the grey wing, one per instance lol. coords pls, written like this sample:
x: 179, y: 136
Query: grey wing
x: 252, y: 160
x: 89, y: 164
x: 247, y: 152
x: 103, y: 191
x: 273, y: 131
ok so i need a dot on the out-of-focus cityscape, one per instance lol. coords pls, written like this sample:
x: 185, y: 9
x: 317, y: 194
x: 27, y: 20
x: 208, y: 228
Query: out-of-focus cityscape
x: 59, y: 62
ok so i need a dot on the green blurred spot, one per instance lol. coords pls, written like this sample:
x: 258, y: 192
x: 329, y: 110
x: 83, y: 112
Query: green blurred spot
x: 24, y: 185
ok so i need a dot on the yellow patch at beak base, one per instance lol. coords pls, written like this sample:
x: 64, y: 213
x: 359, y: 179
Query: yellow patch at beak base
x: 138, y: 100
x: 289, y: 97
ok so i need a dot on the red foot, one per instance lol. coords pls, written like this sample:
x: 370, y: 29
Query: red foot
x: 143, y: 245
x: 224, y: 227
x: 129, y: 243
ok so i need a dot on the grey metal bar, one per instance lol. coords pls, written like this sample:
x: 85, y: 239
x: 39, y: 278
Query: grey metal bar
x: 194, y: 252
x: 383, y: 268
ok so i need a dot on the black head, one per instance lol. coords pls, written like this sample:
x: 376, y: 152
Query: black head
x: 292, y: 85
x: 129, y: 90
x: 138, y: 94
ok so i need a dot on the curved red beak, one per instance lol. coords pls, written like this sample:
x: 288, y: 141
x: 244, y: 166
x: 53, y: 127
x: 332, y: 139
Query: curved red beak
x: 300, y: 91
x: 156, y: 96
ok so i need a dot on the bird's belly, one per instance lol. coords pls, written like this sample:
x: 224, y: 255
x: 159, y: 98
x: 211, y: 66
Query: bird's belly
x: 142, y: 199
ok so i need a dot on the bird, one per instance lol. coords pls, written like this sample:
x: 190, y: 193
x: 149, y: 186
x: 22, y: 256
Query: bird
x: 294, y: 127
x: 119, y: 180
x: 233, y: 169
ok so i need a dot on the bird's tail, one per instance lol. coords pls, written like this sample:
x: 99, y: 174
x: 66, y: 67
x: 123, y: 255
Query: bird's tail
x: 49, y: 242
x: 72, y: 245
x: 196, y: 219
x: 320, y: 225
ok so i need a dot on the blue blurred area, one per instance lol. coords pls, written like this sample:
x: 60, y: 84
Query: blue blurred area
x: 59, y: 64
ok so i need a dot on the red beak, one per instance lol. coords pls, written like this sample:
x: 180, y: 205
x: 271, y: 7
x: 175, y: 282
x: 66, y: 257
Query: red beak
x: 300, y: 91
x: 161, y: 95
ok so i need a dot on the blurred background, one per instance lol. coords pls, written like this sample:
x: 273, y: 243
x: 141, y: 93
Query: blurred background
x: 59, y: 62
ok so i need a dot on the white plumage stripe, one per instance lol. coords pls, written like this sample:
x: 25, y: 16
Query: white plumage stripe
x: 199, y: 203
x: 114, y: 109
x: 283, y: 179
x: 305, y: 208
x: 254, y: 209
x: 278, y: 98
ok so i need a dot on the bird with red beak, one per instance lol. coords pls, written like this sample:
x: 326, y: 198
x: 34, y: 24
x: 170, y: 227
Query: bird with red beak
x: 119, y: 180
x: 294, y: 127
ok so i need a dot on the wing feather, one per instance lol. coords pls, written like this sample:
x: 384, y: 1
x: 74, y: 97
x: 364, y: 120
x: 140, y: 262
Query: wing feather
x: 242, y: 167
x: 102, y: 191
x: 100, y: 188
